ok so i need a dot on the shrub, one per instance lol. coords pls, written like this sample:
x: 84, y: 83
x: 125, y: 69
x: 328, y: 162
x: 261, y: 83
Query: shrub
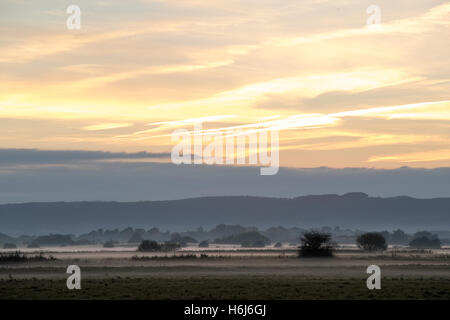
x: 316, y: 244
x: 17, y: 256
x: 149, y: 246
x: 424, y: 242
x: 371, y: 241
x: 175, y: 257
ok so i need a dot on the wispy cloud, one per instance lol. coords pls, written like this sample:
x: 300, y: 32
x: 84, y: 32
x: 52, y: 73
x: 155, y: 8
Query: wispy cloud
x: 106, y: 126
x: 304, y: 120
x: 38, y: 45
x: 308, y: 86
x: 93, y: 82
x: 311, y: 69
x: 422, y: 156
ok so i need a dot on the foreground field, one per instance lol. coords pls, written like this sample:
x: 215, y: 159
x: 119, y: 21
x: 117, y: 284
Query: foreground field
x: 227, y: 275
x: 242, y: 287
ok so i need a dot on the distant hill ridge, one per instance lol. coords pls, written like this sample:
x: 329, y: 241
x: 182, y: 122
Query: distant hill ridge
x: 352, y: 210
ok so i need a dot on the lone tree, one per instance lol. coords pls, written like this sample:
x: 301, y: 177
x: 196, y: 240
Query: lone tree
x: 316, y: 244
x: 371, y: 241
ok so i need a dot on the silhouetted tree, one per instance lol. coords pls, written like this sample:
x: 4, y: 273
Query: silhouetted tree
x: 149, y: 246
x: 371, y: 241
x: 425, y: 243
x: 316, y: 244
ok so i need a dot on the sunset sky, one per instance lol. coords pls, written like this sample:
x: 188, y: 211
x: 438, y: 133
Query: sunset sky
x: 342, y: 94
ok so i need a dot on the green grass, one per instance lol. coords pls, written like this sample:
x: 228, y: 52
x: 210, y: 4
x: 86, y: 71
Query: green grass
x: 232, y: 287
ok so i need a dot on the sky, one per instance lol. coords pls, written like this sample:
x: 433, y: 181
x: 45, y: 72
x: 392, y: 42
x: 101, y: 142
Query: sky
x: 342, y: 93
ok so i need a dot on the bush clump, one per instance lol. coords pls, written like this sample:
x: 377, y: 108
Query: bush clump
x: 371, y: 241
x: 153, y: 246
x: 425, y: 243
x: 17, y: 256
x: 316, y: 244
x: 149, y: 246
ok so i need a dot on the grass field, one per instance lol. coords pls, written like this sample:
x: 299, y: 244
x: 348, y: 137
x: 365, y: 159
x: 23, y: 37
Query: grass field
x: 249, y: 275
x: 244, y: 287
